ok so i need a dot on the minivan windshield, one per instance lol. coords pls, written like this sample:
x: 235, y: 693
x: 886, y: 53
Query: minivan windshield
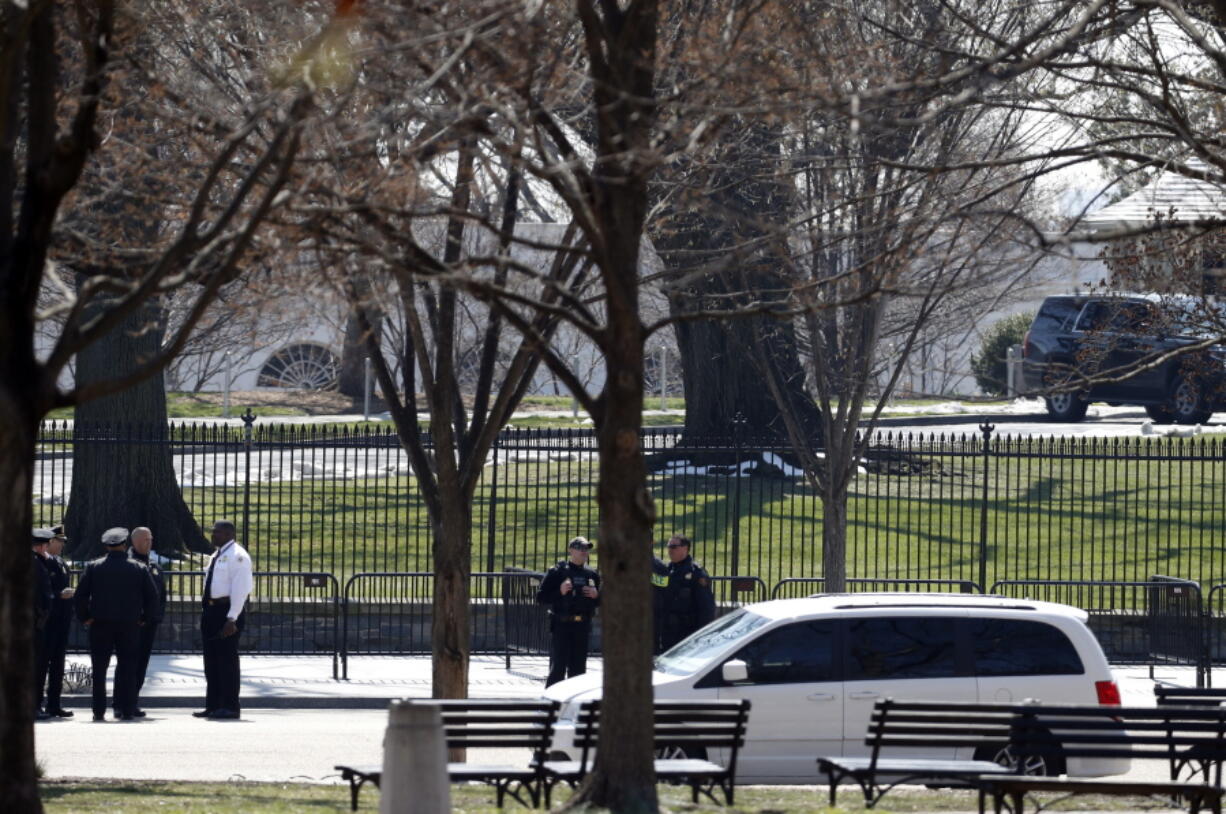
x: 692, y: 654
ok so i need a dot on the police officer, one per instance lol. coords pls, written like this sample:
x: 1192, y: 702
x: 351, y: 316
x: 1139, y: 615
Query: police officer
x: 43, y: 597
x: 55, y: 636
x: 227, y: 584
x: 683, y: 599
x: 142, y: 544
x: 572, y: 592
x: 113, y: 596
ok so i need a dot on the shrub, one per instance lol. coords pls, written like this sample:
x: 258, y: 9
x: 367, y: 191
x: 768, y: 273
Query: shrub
x: 989, y: 364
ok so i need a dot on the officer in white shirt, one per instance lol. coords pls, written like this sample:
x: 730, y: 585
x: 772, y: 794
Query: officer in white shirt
x: 227, y: 584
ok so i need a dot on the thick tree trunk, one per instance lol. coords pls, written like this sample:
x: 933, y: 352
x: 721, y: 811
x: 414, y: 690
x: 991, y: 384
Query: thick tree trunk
x: 351, y: 377
x: 122, y: 469
x: 18, y: 428
x: 742, y: 203
x: 449, y: 631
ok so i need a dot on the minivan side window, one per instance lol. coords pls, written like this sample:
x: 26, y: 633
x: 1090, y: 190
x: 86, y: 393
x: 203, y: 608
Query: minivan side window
x: 794, y: 654
x: 1019, y: 647
x: 901, y: 647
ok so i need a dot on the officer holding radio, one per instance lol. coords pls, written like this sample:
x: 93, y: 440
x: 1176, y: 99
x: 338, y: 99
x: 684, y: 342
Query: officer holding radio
x: 572, y: 592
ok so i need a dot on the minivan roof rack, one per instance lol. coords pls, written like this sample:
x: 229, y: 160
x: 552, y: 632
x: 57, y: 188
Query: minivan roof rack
x: 928, y: 605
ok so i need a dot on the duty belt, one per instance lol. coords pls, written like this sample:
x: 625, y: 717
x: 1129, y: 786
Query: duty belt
x: 577, y: 617
x: 221, y: 600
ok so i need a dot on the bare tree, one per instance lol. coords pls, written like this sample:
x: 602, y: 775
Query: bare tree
x: 55, y: 65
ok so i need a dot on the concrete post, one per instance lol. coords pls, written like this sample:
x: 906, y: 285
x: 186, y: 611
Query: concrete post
x: 414, y: 761
x: 1013, y: 371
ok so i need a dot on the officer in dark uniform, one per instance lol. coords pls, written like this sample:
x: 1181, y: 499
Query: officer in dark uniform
x: 43, y: 598
x: 683, y: 599
x: 142, y: 544
x: 572, y: 592
x: 55, y: 637
x: 113, y: 596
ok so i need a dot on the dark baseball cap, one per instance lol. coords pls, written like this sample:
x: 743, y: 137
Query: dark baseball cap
x: 580, y: 543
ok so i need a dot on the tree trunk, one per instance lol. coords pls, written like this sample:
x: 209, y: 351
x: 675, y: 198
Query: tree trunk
x: 834, y: 539
x: 122, y: 469
x: 623, y: 779
x: 741, y: 203
x: 351, y: 377
x: 18, y: 429
x: 449, y: 630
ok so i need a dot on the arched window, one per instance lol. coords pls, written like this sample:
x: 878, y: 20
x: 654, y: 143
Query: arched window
x: 300, y: 367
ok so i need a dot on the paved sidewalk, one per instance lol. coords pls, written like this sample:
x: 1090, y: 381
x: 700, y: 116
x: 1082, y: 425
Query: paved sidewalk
x: 306, y: 681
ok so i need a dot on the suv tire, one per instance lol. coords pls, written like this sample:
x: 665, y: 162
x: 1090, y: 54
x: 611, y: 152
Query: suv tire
x: 1066, y: 406
x: 1187, y: 402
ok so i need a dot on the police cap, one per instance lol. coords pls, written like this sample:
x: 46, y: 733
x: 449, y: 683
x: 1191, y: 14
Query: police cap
x: 115, y: 536
x: 580, y: 543
x: 42, y: 536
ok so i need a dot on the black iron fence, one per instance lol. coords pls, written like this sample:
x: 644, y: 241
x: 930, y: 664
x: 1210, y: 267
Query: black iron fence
x: 979, y: 507
x: 925, y: 513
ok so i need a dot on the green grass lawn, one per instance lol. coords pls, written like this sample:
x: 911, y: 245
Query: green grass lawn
x: 1056, y: 516
x: 138, y: 797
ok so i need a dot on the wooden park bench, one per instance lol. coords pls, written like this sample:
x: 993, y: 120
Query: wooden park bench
x: 951, y: 727
x: 684, y: 733
x: 1167, y: 695
x: 490, y: 724
x: 1058, y: 733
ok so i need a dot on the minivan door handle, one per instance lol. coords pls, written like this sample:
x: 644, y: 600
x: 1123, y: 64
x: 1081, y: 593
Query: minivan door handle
x: 821, y: 696
x: 863, y: 695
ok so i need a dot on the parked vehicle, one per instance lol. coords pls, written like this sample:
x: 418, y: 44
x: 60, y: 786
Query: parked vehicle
x: 813, y: 668
x: 1123, y: 350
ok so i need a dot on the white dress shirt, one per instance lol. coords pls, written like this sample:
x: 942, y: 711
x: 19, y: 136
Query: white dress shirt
x: 231, y: 576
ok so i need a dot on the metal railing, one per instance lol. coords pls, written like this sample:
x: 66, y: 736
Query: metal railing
x: 975, y: 507
x: 391, y: 613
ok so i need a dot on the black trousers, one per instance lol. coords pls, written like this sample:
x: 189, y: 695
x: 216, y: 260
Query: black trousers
x: 148, y: 632
x: 121, y: 639
x: 51, y: 661
x: 221, y: 670
x: 568, y: 650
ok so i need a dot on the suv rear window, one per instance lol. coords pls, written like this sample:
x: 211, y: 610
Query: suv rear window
x: 1012, y: 647
x: 1055, y: 315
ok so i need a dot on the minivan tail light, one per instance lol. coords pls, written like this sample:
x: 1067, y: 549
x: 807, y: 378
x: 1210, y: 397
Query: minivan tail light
x: 1108, y: 693
x: 1026, y: 344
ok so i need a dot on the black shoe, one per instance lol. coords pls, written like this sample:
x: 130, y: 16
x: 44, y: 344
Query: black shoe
x: 99, y: 716
x: 41, y: 715
x: 127, y: 716
x: 60, y: 713
x: 204, y: 713
x: 223, y: 715
x: 138, y: 713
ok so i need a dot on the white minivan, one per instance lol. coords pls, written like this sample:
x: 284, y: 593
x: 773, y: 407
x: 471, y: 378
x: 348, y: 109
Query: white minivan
x: 812, y: 669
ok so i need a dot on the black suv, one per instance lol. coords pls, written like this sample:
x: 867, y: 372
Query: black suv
x: 1122, y: 350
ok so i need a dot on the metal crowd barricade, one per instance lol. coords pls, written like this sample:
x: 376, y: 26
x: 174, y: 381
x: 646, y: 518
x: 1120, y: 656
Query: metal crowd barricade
x: 289, y: 613
x: 527, y: 623
x: 389, y: 613
x: 794, y: 587
x: 1215, y: 637
x: 1155, y: 621
x: 732, y: 592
